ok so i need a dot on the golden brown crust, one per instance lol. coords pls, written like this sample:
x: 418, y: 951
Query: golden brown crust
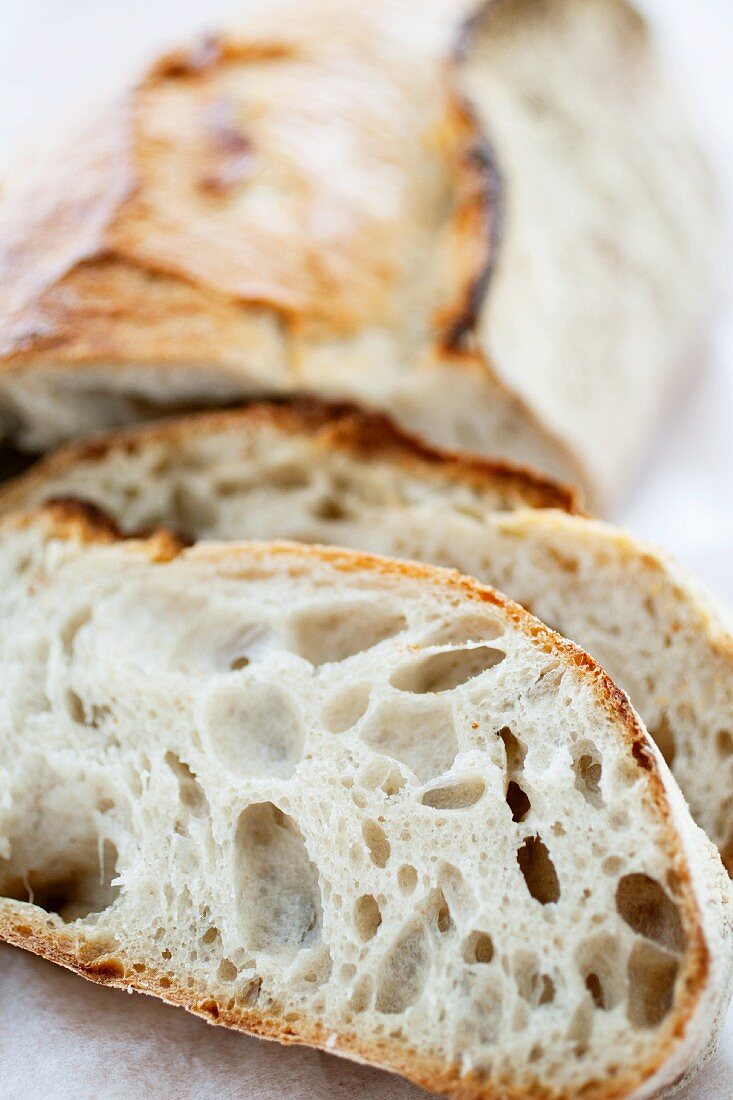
x: 331, y: 426
x: 26, y: 928
x: 159, y: 199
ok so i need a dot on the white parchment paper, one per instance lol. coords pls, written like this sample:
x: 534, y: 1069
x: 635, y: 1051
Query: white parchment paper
x: 61, y: 1037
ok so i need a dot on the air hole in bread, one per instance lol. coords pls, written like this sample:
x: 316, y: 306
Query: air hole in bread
x: 415, y: 732
x: 458, y: 795
x: 190, y: 510
x: 517, y: 801
x: 663, y: 736
x: 254, y: 730
x: 72, y: 627
x: 581, y: 1027
x: 515, y: 751
x: 367, y: 916
x: 478, y: 948
x: 72, y: 885
x: 289, y: 475
x: 362, y: 996
x: 440, y: 912
x: 403, y: 970
x: 330, y: 508
x: 250, y: 993
x: 211, y: 935
x: 538, y: 870
x: 343, y: 710
x: 647, y: 908
x: 724, y: 742
x: 534, y: 987
x: 190, y: 791
x: 277, y: 885
x: 464, y: 629
x: 601, y: 966
x: 325, y: 634
x: 446, y: 671
x: 377, y: 843
x: 588, y: 770
x: 76, y: 707
x: 227, y: 971
x: 407, y: 878
x: 85, y: 714
x: 652, y: 974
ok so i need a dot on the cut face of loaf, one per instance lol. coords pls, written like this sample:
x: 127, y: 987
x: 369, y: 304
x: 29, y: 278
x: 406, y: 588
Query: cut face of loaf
x: 497, y: 229
x: 351, y: 802
x: 337, y: 475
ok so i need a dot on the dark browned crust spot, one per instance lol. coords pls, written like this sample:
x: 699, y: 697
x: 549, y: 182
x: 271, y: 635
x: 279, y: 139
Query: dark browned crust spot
x: 480, y: 216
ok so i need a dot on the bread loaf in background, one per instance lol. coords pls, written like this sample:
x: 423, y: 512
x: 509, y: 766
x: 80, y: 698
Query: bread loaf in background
x: 340, y: 800
x: 495, y: 225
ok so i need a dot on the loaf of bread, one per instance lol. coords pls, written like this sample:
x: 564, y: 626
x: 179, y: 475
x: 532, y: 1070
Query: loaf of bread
x: 329, y: 474
x: 345, y: 801
x: 496, y: 228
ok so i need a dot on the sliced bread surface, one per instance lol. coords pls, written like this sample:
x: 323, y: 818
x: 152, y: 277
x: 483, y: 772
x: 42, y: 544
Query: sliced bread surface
x: 340, y: 800
x: 335, y: 474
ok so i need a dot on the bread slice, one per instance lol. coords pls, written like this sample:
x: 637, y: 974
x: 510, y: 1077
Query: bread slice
x: 507, y: 246
x: 351, y: 802
x: 334, y: 474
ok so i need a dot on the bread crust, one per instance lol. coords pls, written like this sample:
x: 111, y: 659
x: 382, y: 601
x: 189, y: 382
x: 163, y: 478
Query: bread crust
x: 21, y: 925
x: 340, y: 425
x: 141, y: 268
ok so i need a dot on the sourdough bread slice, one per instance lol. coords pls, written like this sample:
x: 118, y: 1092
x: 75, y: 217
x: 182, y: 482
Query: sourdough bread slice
x: 336, y: 475
x: 346, y: 801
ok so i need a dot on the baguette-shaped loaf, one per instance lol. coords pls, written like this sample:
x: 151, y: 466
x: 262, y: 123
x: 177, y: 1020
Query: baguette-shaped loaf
x: 330, y: 474
x: 497, y: 230
x: 345, y: 801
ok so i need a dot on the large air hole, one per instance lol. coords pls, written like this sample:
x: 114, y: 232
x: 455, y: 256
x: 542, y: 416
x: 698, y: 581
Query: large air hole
x: 588, y: 770
x: 538, y: 870
x: 179, y: 631
x: 367, y: 916
x: 59, y: 858
x: 515, y: 751
x: 445, y: 671
x: 335, y: 632
x: 253, y: 728
x: 646, y: 907
x: 478, y: 948
x: 517, y: 801
x: 600, y: 965
x: 190, y: 791
x: 652, y: 975
x: 536, y: 988
x: 76, y: 885
x: 377, y: 843
x: 416, y: 732
x: 465, y: 629
x: 404, y: 970
x: 344, y: 709
x: 440, y: 912
x: 277, y: 885
x: 458, y: 795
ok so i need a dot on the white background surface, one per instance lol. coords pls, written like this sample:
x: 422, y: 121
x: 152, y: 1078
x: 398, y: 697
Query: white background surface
x: 61, y: 1037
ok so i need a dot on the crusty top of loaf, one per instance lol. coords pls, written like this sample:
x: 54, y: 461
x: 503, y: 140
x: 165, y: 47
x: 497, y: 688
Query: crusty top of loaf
x: 258, y: 170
